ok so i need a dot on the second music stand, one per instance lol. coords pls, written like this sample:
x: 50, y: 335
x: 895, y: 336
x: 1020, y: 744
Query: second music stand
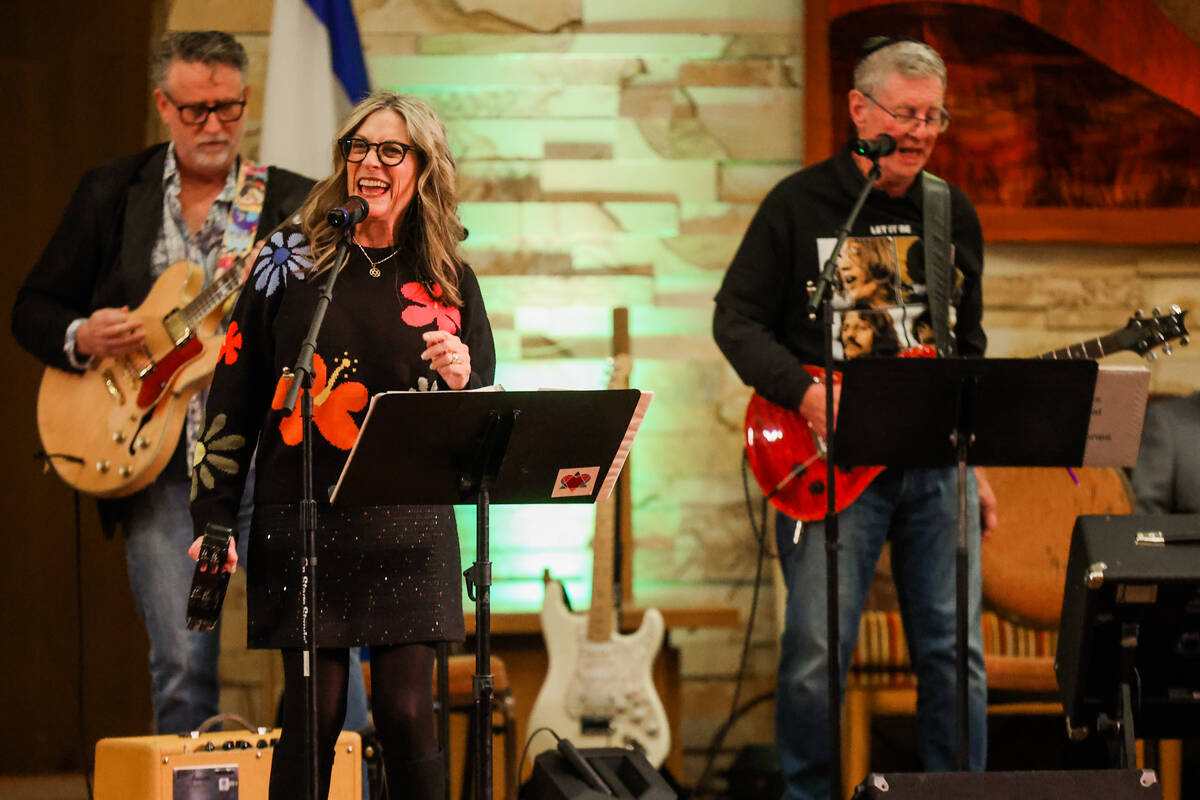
x: 940, y: 412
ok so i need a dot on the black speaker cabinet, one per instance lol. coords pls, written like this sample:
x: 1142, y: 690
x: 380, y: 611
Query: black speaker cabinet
x: 1132, y: 592
x: 1109, y: 784
x: 627, y: 773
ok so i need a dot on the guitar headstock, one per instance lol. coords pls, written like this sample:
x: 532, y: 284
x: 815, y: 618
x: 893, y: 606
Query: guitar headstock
x: 1144, y: 335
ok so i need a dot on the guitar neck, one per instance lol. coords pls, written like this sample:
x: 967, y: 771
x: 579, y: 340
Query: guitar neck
x: 1091, y: 349
x: 600, y: 624
x: 225, y: 284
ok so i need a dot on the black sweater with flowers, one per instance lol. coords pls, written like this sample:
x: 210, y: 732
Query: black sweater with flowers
x: 370, y: 342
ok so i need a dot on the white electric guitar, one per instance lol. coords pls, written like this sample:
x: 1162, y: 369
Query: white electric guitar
x: 599, y: 691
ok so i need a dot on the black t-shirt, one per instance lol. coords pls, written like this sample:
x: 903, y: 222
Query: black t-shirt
x: 761, y: 324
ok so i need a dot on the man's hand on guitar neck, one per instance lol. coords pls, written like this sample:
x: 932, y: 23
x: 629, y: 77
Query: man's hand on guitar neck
x: 812, y: 407
x: 109, y: 332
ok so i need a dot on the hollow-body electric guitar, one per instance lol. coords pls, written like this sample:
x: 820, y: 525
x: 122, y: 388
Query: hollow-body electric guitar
x: 110, y: 430
x: 788, y: 459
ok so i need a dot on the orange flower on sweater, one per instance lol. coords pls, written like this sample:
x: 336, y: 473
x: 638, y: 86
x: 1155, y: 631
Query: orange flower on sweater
x: 231, y: 345
x: 332, y: 406
x: 426, y: 310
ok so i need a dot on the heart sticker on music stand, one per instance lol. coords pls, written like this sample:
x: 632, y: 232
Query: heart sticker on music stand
x: 575, y: 482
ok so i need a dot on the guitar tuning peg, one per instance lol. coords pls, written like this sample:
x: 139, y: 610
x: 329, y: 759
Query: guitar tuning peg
x: 1152, y: 356
x: 1176, y: 309
x: 1167, y: 350
x: 1157, y: 312
x: 1139, y: 314
x: 1184, y: 340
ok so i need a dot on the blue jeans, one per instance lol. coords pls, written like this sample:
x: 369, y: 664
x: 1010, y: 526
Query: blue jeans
x: 917, y: 511
x: 184, y: 684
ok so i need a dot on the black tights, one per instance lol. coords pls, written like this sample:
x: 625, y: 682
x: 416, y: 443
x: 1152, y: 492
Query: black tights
x: 401, y: 704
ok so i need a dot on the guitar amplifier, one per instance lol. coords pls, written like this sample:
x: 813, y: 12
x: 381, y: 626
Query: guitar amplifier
x: 1132, y: 594
x: 228, y: 765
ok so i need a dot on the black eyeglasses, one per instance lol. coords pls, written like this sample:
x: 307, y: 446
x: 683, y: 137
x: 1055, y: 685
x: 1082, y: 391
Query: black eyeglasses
x: 938, y: 119
x: 197, y: 113
x: 390, y: 153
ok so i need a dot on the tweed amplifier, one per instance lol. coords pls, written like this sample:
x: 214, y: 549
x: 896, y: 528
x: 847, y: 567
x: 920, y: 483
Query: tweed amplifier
x: 228, y: 765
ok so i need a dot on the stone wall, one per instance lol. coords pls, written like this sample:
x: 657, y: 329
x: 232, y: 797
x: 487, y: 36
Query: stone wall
x: 610, y: 153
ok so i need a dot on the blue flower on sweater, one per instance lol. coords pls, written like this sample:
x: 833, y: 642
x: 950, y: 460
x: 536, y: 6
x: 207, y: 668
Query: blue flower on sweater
x: 279, y: 258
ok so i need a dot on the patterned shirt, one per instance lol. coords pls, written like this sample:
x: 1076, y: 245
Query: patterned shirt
x: 176, y: 243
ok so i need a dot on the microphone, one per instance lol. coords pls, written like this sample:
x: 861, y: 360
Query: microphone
x: 882, y: 145
x: 350, y: 214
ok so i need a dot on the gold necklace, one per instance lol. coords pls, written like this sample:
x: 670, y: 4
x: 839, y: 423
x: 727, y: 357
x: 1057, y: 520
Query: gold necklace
x: 374, y: 271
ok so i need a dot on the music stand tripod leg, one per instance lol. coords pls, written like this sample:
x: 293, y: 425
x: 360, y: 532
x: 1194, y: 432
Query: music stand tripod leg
x: 490, y: 455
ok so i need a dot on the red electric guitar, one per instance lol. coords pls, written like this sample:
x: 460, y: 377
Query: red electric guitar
x: 788, y: 459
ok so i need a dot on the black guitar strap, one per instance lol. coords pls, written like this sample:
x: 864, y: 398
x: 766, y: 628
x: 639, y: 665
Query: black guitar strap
x: 939, y: 269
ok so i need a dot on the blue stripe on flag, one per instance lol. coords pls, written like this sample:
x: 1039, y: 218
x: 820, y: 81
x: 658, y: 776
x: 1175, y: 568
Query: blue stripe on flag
x: 344, y: 46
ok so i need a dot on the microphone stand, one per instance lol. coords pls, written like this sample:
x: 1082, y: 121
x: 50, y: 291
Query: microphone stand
x: 302, y: 381
x: 820, y: 295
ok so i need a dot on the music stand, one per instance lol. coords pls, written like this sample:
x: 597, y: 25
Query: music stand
x: 484, y: 447
x: 966, y: 412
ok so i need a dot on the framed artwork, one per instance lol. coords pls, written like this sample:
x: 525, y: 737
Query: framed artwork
x: 1073, y: 120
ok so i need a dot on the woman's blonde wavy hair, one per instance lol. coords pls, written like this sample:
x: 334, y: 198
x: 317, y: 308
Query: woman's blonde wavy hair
x: 430, y: 224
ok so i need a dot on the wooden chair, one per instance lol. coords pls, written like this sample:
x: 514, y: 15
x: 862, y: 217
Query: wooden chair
x: 458, y: 689
x: 461, y: 700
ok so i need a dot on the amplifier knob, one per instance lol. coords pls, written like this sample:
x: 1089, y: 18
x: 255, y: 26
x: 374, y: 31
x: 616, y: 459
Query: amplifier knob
x: 102, y: 466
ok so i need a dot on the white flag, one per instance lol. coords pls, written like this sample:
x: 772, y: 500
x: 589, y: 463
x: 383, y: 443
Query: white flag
x: 315, y: 73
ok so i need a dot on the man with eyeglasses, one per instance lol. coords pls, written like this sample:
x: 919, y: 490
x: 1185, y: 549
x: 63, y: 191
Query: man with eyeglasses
x: 190, y: 199
x: 762, y: 327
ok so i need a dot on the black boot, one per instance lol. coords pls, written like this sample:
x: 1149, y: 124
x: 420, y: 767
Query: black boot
x: 415, y: 780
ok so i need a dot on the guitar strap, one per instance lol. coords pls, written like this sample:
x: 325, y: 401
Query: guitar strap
x: 244, y: 214
x: 240, y: 228
x: 939, y: 269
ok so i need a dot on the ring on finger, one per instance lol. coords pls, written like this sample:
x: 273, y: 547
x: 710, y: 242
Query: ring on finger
x: 454, y: 359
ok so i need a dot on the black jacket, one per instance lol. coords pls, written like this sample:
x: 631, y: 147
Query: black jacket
x: 100, y: 254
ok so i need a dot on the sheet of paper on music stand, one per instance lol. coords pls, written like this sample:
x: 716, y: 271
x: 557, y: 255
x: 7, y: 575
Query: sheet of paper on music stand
x: 1118, y: 409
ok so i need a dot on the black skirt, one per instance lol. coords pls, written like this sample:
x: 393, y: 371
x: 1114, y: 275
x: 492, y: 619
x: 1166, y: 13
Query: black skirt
x: 385, y: 575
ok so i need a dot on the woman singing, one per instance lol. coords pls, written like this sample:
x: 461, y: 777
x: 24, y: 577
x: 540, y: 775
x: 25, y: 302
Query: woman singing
x: 406, y: 314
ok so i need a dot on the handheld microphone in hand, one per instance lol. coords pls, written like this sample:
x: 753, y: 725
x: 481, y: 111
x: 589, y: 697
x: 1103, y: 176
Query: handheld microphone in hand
x: 347, y: 216
x: 882, y: 145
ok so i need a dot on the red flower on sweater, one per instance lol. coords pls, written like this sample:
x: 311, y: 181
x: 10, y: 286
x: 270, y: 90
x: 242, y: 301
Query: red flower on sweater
x: 332, y: 406
x: 231, y: 345
x: 426, y: 310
